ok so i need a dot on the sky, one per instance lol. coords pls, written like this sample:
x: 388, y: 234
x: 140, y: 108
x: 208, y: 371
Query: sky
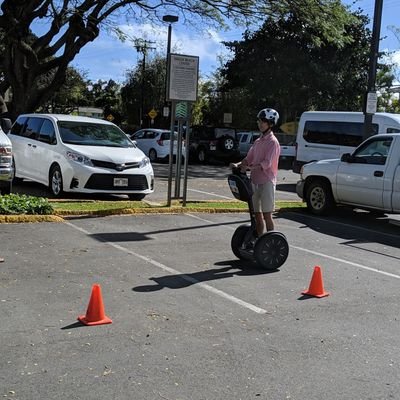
x: 109, y: 58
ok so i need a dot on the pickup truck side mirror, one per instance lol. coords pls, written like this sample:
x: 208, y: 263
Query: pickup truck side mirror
x: 346, y: 157
x: 6, y: 125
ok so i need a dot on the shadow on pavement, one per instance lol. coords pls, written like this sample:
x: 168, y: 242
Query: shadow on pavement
x: 180, y: 281
x: 354, y: 226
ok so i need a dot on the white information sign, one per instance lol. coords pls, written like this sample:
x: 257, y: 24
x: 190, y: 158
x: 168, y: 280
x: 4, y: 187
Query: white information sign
x: 183, y: 75
x: 372, y: 100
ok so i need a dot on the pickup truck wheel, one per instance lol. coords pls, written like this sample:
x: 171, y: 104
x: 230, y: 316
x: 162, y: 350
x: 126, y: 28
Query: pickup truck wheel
x: 6, y: 189
x: 319, y: 198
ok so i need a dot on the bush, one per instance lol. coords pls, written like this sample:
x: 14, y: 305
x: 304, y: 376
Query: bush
x: 23, y: 204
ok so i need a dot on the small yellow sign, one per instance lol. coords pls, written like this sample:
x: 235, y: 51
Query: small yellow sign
x: 152, y: 113
x: 110, y: 117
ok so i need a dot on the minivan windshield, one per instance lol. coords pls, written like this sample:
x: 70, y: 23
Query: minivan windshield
x: 92, y: 134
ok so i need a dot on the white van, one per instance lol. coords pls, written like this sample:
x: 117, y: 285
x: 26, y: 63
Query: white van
x: 325, y: 135
x: 79, y: 154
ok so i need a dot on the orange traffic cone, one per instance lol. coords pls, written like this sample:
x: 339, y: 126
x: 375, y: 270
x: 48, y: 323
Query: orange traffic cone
x: 316, y: 288
x: 95, y: 314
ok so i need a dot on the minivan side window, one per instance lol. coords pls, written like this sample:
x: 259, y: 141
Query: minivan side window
x: 335, y: 133
x: 18, y: 126
x: 47, y: 133
x: 32, y: 128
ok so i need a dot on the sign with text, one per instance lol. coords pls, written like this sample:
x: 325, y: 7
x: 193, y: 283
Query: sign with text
x: 372, y: 101
x: 183, y: 72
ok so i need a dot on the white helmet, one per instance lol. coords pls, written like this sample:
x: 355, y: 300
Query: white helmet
x: 268, y: 114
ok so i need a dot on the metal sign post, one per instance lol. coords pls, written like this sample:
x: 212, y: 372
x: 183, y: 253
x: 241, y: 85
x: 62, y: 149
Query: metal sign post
x: 183, y: 72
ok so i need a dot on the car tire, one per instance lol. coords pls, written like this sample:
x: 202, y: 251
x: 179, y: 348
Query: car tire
x: 15, y: 179
x: 6, y: 189
x: 152, y: 155
x: 136, y: 196
x: 319, y: 198
x: 227, y: 143
x: 55, y: 181
x: 201, y: 156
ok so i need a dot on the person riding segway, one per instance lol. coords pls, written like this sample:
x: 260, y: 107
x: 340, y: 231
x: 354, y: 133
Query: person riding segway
x: 269, y: 249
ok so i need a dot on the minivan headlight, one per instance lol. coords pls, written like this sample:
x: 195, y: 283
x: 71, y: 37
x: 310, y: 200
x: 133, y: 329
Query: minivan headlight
x: 145, y: 161
x: 79, y: 158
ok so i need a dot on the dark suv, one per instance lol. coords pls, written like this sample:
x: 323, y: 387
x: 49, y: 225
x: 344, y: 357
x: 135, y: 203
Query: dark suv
x: 210, y: 143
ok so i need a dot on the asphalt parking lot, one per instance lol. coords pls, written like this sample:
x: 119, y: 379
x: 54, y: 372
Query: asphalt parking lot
x: 192, y: 322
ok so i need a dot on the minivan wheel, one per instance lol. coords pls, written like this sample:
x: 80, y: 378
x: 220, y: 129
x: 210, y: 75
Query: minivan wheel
x: 15, y: 180
x: 152, y: 155
x: 136, y: 196
x: 56, y: 181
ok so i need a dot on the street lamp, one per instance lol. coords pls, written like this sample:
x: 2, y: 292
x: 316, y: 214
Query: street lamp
x: 170, y: 19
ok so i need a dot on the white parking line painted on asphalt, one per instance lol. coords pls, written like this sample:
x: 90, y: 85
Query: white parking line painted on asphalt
x: 172, y: 271
x: 321, y: 254
x: 212, y: 194
x: 346, y: 262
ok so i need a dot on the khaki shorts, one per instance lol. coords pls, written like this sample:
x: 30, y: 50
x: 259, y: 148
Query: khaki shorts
x: 264, y: 197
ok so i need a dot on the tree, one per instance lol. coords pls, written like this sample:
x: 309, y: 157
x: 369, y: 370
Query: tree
x: 282, y: 65
x: 35, y: 67
x: 72, y: 93
x: 151, y: 81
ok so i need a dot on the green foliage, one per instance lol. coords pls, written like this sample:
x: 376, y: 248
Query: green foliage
x: 23, y: 204
x: 148, y: 79
x: 292, y: 65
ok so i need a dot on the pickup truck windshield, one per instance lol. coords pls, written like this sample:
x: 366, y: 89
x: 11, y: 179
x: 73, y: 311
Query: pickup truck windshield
x: 92, y: 134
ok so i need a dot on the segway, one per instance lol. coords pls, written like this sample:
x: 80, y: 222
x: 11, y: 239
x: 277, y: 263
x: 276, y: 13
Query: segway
x: 271, y: 249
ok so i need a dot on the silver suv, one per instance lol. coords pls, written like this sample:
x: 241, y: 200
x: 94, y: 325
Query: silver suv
x: 6, y: 162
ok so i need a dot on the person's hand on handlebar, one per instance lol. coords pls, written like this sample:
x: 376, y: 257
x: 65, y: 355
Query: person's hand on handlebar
x: 243, y: 165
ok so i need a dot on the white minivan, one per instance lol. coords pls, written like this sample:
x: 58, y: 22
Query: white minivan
x: 325, y: 135
x: 79, y: 154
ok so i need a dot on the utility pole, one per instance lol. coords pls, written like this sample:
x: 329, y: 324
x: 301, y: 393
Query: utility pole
x: 142, y: 46
x: 371, y: 98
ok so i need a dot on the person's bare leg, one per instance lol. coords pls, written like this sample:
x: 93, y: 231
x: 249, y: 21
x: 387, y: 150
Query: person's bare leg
x: 260, y: 226
x: 269, y: 222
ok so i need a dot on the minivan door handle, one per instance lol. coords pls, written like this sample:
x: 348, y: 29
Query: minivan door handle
x: 378, y: 173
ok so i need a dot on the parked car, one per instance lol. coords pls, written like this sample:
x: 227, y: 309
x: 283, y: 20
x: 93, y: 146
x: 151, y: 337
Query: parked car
x: 211, y: 143
x: 79, y: 154
x: 155, y: 143
x: 288, y: 151
x: 6, y: 166
x: 246, y: 139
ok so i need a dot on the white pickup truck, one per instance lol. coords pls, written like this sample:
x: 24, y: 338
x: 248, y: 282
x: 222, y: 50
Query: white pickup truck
x: 368, y: 178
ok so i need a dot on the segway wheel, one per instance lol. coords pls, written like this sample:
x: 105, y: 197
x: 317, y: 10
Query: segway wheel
x: 271, y: 250
x: 237, y: 242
